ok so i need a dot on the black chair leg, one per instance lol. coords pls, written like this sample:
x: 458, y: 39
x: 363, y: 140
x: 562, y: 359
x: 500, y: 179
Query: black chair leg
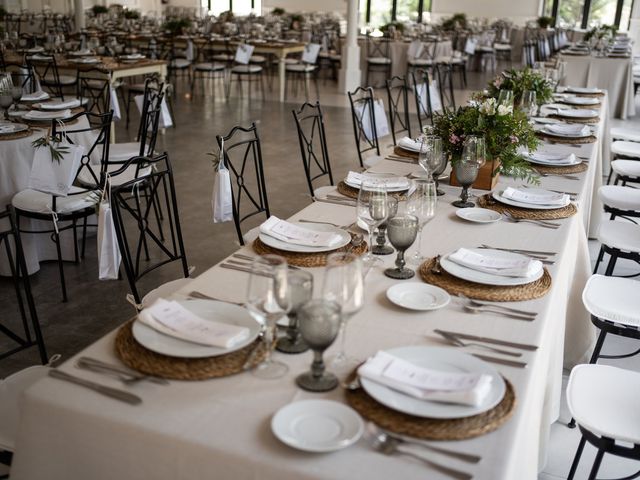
x: 56, y: 239
x: 600, y: 257
x: 596, y: 464
x: 576, y: 458
x: 84, y: 237
x: 612, y: 264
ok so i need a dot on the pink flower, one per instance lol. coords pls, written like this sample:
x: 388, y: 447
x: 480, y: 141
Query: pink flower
x: 514, y: 139
x: 498, y: 81
x: 454, y: 138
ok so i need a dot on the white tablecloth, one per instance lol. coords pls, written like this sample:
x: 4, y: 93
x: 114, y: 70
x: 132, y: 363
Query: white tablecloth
x: 221, y: 427
x: 613, y: 74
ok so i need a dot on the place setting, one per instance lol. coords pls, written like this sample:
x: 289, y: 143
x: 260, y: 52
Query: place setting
x: 530, y: 204
x: 397, y: 186
x: 576, y: 115
x: 554, y: 162
x: 569, y: 133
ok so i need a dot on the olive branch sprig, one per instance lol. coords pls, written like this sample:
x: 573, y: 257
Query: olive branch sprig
x: 57, y: 151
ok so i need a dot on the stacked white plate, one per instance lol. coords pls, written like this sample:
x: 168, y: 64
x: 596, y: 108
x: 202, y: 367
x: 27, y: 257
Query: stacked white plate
x: 10, y: 128
x: 552, y: 159
x: 583, y: 90
x: 498, y: 195
x: 576, y: 113
x: 38, y: 116
x: 567, y: 130
x: 345, y: 239
x: 573, y: 100
x: 381, y: 179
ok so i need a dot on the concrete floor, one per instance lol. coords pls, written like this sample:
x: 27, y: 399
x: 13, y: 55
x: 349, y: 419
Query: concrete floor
x: 96, y: 307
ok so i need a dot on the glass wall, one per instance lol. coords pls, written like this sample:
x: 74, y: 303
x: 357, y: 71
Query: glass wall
x: 571, y: 13
x: 376, y: 13
x: 239, y: 7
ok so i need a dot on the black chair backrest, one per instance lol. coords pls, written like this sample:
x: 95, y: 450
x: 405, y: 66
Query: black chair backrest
x: 361, y: 100
x: 313, y: 143
x: 29, y: 333
x: 22, y: 75
x: 94, y: 85
x: 46, y: 69
x: 243, y: 158
x: 150, y: 116
x: 94, y: 134
x: 377, y: 47
x: 147, y: 245
x: 445, y: 85
x: 398, y: 103
x: 422, y: 96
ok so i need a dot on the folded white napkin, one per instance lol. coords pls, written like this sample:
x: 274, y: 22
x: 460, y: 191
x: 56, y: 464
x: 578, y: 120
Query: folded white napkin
x: 426, y: 384
x: 496, y: 265
x: 356, y: 179
x: 36, y: 115
x: 409, y: 144
x: 40, y: 95
x: 536, y: 197
x: 560, y: 158
x: 6, y: 128
x: 171, y: 318
x: 60, y: 104
x: 297, y: 235
x: 568, y: 129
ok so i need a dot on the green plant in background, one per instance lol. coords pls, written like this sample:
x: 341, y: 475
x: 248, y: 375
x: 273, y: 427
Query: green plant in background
x: 295, y: 21
x: 176, y: 26
x: 545, y: 22
x: 99, y: 10
x: 278, y: 11
x: 504, y: 130
x: 520, y: 80
x: 3, y: 12
x: 601, y: 32
x: 54, y: 147
x: 227, y: 16
x: 458, y: 21
x: 397, y: 25
x: 131, y: 14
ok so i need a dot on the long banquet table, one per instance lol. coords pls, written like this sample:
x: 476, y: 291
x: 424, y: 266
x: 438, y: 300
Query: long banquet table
x: 221, y: 427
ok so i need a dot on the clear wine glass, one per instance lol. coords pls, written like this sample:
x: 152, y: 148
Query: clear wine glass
x: 528, y: 103
x: 301, y: 291
x: 268, y: 299
x: 422, y: 205
x: 402, y: 233
x: 319, y: 326
x: 16, y: 94
x: 381, y: 247
x: 344, y: 285
x: 505, y: 97
x: 372, y: 210
x: 430, y: 153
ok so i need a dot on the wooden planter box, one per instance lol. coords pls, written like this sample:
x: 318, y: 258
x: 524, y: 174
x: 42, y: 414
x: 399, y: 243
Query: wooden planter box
x: 486, y: 180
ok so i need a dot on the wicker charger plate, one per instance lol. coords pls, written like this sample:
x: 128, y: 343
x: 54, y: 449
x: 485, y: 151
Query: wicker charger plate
x: 494, y: 293
x: 300, y: 259
x: 487, y: 201
x: 586, y: 94
x: 351, y: 192
x: 15, y: 136
x: 401, y: 152
x: 143, y: 360
x: 573, y: 141
x: 587, y: 121
x: 432, y: 428
x: 579, y: 168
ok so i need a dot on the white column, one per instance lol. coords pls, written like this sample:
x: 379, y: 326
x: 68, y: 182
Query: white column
x: 634, y: 27
x: 78, y: 6
x: 350, y: 69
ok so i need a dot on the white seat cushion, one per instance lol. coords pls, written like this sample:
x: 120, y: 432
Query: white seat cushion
x: 208, y: 67
x: 613, y: 298
x: 502, y: 47
x: 63, y: 80
x: 627, y: 168
x: 628, y: 134
x: 136, y: 87
x: 620, y: 234
x: 123, y: 151
x: 85, y: 178
x: 179, y: 63
x: 628, y: 149
x: 335, y: 57
x: 485, y: 49
x: 38, y: 202
x: 246, y: 69
x: 223, y: 57
x: 257, y: 59
x: 301, y: 67
x: 622, y: 198
x: 379, y: 60
x: 604, y: 400
x: 420, y: 61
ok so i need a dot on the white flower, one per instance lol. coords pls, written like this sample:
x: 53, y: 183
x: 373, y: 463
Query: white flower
x: 488, y: 107
x: 505, y: 109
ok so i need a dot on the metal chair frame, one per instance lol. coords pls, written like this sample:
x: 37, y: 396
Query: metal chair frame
x: 398, y: 103
x: 422, y: 114
x: 363, y: 96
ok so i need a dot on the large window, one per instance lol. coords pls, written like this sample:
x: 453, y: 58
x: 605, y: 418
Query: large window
x: 589, y: 13
x: 238, y: 7
x: 376, y: 13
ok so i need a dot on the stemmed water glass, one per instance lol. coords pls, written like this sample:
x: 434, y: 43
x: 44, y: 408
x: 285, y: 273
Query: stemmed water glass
x: 16, y: 94
x: 402, y: 231
x: 381, y: 247
x: 372, y: 209
x: 528, y: 103
x: 319, y: 326
x: 505, y: 97
x: 344, y: 285
x: 422, y: 205
x: 430, y: 153
x: 466, y: 169
x: 301, y: 290
x: 6, y: 98
x: 268, y: 299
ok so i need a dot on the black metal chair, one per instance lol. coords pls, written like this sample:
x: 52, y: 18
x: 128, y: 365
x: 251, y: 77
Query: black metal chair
x: 243, y: 158
x: 313, y: 141
x: 80, y: 202
x: 207, y: 68
x: 94, y: 85
x: 144, y: 245
x: 378, y: 57
x: 444, y: 74
x: 179, y: 63
x: 29, y: 334
x: 46, y: 69
x: 361, y: 101
x: 421, y: 80
x: 398, y: 103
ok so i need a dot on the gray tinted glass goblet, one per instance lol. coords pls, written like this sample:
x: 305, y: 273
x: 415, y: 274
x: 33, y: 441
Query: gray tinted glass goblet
x: 402, y: 231
x: 466, y: 173
x: 300, y: 290
x: 381, y: 247
x: 319, y: 326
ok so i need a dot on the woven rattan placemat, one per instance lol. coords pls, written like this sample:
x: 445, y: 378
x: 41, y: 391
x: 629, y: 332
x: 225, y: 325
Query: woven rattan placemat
x: 143, y: 360
x: 587, y: 121
x: 478, y: 291
x: 570, y: 141
x: 487, y: 201
x: 17, y: 135
x: 582, y: 107
x: 401, y: 152
x: 351, y: 192
x: 433, y: 428
x: 578, y: 168
x: 586, y: 94
x: 307, y: 259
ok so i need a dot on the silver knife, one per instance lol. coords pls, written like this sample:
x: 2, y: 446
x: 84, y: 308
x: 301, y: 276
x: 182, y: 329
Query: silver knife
x: 335, y: 202
x: 97, y: 387
x: 501, y: 361
x: 100, y: 366
x: 493, y: 341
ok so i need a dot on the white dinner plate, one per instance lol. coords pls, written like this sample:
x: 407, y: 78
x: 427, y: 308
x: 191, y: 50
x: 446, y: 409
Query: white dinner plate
x: 583, y: 90
x: 53, y: 115
x: 478, y: 215
x: 577, y: 113
x: 581, y: 100
x: 497, y: 195
x: 442, y: 359
x: 345, y: 239
x: 418, y: 296
x: 317, y: 425
x: 11, y: 128
x: 476, y: 276
x: 552, y: 163
x: 55, y: 105
x: 45, y: 96
x: 381, y: 179
x: 546, y: 131
x: 208, y: 310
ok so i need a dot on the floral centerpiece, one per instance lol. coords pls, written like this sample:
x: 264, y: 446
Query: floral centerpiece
x: 602, y: 32
x: 504, y: 130
x: 520, y: 80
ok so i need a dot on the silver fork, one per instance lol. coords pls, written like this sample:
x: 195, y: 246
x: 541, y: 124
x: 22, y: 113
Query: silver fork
x: 125, y: 375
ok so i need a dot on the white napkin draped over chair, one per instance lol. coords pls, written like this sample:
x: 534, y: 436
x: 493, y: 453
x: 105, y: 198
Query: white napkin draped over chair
x: 506, y: 266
